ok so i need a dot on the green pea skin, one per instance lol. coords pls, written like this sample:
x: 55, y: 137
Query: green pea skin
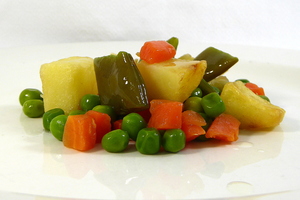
x: 33, y: 108
x: 77, y: 112
x: 29, y: 94
x: 197, y: 93
x: 173, y: 140
x: 132, y: 124
x: 57, y: 126
x: 49, y: 115
x: 89, y: 101
x: 148, y: 141
x: 213, y: 104
x: 115, y: 141
x: 106, y: 109
x: 193, y: 103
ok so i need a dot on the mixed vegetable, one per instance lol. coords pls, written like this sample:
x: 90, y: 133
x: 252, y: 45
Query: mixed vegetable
x: 159, y: 102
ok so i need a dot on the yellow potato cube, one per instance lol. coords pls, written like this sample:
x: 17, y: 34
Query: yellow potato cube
x: 174, y: 79
x: 65, y: 81
x: 251, y: 110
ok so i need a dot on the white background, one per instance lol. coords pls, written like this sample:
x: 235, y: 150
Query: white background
x: 272, y: 23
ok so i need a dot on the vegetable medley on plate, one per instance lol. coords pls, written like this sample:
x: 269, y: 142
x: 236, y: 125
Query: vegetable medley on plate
x: 158, y: 102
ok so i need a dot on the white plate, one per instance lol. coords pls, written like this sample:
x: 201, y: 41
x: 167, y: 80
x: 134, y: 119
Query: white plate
x: 260, y: 164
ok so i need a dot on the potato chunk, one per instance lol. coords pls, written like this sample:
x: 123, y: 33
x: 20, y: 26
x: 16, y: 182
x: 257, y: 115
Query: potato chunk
x: 65, y: 81
x: 251, y: 110
x: 174, y: 79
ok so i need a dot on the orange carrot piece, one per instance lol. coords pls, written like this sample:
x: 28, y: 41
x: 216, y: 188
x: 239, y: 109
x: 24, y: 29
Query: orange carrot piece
x: 103, y: 123
x: 117, y: 124
x: 192, y: 123
x: 165, y: 114
x: 255, y: 88
x: 80, y: 132
x: 157, y: 51
x: 224, y: 127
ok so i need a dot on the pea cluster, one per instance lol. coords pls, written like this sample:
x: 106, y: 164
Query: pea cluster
x: 133, y: 126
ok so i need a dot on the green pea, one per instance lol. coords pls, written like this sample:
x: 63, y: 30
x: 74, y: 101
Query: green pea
x: 57, y: 126
x: 33, y: 108
x: 77, y: 112
x: 208, y: 121
x: 132, y: 123
x: 193, y: 103
x: 106, y: 109
x: 29, y: 94
x: 265, y: 97
x: 243, y: 80
x: 115, y: 141
x: 49, y: 115
x: 148, y: 141
x: 197, y: 93
x: 213, y: 104
x: 89, y: 101
x: 173, y: 140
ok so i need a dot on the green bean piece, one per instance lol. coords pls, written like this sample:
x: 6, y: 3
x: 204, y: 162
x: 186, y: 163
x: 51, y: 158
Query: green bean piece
x: 174, y: 41
x: 206, y: 87
x: 120, y: 83
x: 218, y: 62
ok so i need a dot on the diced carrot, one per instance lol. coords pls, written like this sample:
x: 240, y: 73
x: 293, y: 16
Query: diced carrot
x: 157, y: 51
x: 117, y: 124
x: 224, y: 127
x: 103, y: 123
x: 165, y: 114
x: 255, y: 88
x: 192, y: 131
x: 80, y: 132
x: 192, y: 123
x: 145, y: 114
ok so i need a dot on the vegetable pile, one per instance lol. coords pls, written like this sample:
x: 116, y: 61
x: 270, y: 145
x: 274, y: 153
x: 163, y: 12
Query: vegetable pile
x: 159, y: 102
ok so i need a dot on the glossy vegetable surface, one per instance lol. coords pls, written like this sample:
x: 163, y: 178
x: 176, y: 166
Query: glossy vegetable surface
x: 49, y: 115
x: 213, y: 104
x: 132, y: 124
x: 80, y: 132
x: 173, y: 140
x: 165, y: 114
x: 89, y: 101
x: 157, y: 51
x: 33, y: 108
x: 224, y: 127
x: 120, y: 84
x: 103, y: 123
x: 218, y: 62
x: 192, y: 123
x: 115, y: 141
x: 148, y: 141
x: 57, y: 126
x: 29, y: 94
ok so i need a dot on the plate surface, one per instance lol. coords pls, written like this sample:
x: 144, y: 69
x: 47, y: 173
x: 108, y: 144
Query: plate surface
x: 265, y: 164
